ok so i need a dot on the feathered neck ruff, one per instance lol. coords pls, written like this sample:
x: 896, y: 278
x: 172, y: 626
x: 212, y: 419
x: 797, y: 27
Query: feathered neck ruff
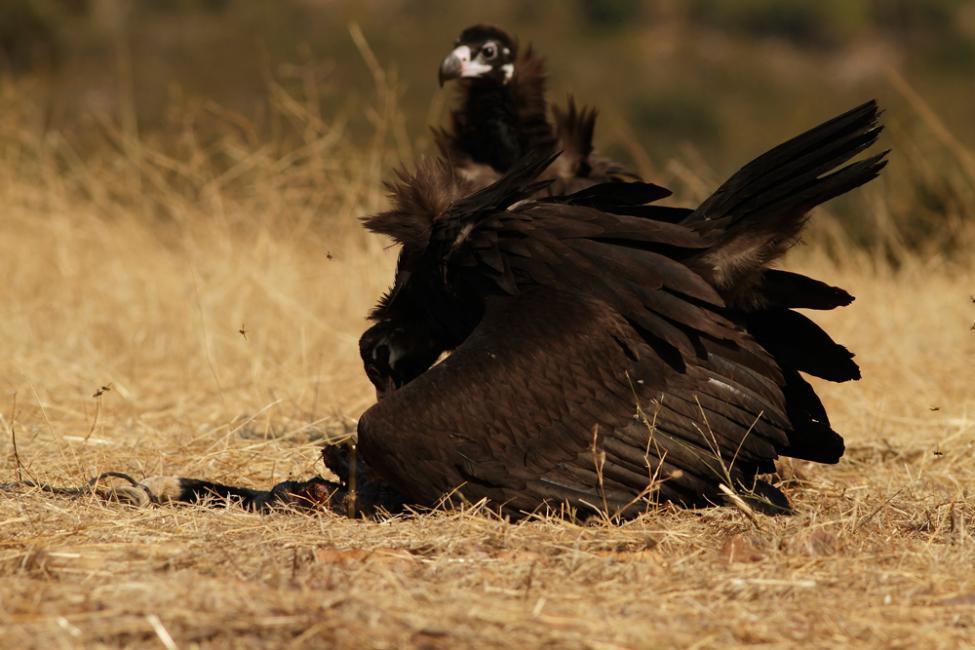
x: 497, y: 124
x: 419, y: 199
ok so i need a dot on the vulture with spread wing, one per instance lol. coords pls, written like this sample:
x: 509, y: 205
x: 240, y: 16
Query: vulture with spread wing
x: 502, y: 116
x: 604, y: 351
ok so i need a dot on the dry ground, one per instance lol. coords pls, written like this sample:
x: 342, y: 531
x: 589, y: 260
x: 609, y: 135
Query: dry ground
x: 222, y: 316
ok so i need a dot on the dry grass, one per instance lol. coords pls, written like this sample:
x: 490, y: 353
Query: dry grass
x: 137, y: 271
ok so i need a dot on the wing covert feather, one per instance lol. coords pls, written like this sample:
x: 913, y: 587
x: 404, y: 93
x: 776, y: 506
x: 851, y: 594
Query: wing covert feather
x: 511, y: 415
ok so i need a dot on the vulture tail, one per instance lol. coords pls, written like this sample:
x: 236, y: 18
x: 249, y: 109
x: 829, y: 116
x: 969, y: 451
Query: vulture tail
x: 757, y: 214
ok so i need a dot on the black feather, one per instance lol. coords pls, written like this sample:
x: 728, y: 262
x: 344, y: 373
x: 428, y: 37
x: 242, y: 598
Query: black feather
x: 785, y: 289
x: 583, y: 329
x: 797, y: 342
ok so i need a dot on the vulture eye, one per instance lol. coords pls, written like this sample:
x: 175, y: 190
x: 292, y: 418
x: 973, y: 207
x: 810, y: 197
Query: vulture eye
x: 489, y: 51
x: 381, y: 354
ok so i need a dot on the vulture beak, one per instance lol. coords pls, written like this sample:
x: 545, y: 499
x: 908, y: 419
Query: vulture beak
x: 461, y: 64
x: 389, y: 387
x: 452, y: 67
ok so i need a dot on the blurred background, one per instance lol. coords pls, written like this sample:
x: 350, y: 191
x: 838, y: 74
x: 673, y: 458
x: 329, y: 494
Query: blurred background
x: 695, y: 87
x: 714, y: 73
x: 709, y: 71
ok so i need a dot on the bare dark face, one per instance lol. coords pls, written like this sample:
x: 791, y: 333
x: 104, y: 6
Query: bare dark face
x: 481, y: 52
x: 393, y: 355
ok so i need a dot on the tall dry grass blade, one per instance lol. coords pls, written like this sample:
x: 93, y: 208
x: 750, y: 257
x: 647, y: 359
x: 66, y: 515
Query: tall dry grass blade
x: 932, y: 120
x: 11, y: 424
x: 740, y: 503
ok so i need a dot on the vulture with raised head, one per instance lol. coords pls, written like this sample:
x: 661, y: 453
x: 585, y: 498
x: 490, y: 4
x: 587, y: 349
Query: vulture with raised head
x: 605, y: 352
x: 502, y: 116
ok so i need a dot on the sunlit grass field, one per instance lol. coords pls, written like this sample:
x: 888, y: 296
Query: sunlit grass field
x: 193, y: 309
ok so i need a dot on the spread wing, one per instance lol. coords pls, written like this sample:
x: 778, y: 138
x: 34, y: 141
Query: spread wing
x: 557, y: 399
x: 581, y: 312
x: 589, y: 319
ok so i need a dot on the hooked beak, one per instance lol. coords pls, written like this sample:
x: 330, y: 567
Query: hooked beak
x: 451, y: 68
x: 389, y: 385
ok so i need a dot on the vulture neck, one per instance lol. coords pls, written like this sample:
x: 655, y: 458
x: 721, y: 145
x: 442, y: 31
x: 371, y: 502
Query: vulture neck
x: 497, y: 125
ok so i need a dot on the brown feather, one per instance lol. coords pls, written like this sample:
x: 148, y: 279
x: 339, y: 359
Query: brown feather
x: 579, y: 321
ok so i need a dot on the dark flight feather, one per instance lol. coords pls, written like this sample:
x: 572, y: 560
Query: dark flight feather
x: 580, y: 322
x: 757, y: 214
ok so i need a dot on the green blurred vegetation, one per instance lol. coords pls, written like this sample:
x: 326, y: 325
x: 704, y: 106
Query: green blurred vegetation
x: 675, y: 72
x: 697, y: 86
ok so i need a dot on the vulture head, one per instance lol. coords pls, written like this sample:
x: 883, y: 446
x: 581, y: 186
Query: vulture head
x: 481, y: 52
x: 410, y: 330
x: 394, y: 355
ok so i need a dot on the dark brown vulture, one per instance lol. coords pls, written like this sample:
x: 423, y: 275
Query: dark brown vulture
x: 502, y: 116
x: 601, y: 356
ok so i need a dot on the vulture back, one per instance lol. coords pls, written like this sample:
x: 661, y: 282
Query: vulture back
x: 604, y: 351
